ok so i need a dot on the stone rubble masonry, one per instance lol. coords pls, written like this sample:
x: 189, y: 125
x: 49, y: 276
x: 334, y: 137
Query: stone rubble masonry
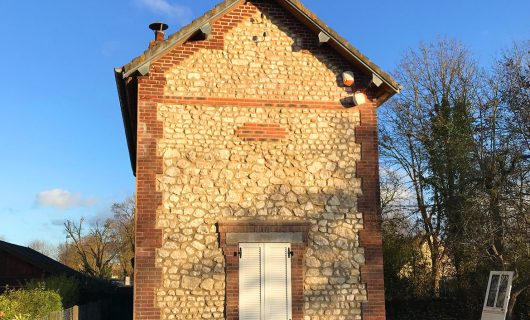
x: 193, y: 171
x: 266, y: 55
x: 210, y: 175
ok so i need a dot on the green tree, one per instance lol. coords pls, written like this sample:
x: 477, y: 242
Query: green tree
x: 460, y: 138
x: 426, y: 136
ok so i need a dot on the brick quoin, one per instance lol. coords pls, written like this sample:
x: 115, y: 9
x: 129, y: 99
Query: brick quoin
x: 368, y: 204
x: 149, y: 164
x: 148, y: 200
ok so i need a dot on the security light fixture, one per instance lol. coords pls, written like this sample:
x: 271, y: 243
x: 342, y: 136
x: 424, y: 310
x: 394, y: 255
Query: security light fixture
x: 348, y: 78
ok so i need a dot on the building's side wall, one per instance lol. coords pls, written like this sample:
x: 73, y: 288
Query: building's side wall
x: 210, y: 175
x: 197, y: 165
x: 14, y: 271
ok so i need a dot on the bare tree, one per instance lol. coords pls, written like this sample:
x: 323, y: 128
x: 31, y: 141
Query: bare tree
x: 123, y: 225
x: 96, y: 248
x: 513, y: 76
x: 104, y: 249
x: 503, y: 157
x: 43, y: 247
x: 460, y: 137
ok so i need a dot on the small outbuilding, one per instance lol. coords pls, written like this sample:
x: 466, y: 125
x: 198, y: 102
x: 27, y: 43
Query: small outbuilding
x: 19, y: 264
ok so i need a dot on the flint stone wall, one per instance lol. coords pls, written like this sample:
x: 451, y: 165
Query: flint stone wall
x: 211, y: 175
x: 268, y: 56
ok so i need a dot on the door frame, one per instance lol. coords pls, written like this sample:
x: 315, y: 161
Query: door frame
x: 295, y: 232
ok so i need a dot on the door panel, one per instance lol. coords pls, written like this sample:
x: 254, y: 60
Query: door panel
x: 251, y: 282
x: 265, y: 281
x: 277, y: 282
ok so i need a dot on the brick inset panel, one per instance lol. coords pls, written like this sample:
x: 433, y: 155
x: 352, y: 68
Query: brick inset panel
x: 261, y: 132
x: 232, y: 261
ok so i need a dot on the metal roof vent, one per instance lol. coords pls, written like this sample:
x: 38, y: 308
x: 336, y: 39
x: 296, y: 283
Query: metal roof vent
x: 159, y: 28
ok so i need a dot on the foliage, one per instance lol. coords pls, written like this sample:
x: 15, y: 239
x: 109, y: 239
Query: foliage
x: 67, y: 287
x: 29, y: 304
x: 398, y: 251
x: 457, y: 142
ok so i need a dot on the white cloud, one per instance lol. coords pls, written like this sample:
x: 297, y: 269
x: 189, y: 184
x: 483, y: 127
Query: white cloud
x: 62, y: 199
x: 182, y: 14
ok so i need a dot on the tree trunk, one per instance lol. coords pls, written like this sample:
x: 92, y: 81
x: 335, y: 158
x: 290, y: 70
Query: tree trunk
x: 436, y: 271
x: 436, y: 277
x: 513, y: 299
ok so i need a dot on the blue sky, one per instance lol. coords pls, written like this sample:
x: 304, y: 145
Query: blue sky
x: 63, y: 148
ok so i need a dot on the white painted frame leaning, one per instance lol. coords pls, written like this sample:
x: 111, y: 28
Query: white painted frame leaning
x: 493, y: 312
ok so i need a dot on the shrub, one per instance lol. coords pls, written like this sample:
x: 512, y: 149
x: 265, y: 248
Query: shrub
x: 66, y: 287
x: 29, y: 304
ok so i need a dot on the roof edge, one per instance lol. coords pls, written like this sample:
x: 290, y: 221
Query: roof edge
x: 183, y: 34
x: 141, y: 64
x: 37, y: 259
x: 126, y: 116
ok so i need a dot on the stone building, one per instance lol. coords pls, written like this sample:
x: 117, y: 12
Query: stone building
x: 257, y: 168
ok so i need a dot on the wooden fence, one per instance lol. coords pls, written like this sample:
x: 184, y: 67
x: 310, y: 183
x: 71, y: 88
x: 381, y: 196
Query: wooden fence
x: 91, y: 311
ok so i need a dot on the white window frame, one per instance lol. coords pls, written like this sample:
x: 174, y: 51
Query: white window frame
x: 265, y: 272
x: 497, y: 312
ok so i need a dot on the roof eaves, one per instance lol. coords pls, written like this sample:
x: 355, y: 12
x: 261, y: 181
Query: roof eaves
x: 124, y: 104
x: 142, y: 63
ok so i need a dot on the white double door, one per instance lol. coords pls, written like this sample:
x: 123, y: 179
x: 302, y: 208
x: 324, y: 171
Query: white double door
x: 265, y: 281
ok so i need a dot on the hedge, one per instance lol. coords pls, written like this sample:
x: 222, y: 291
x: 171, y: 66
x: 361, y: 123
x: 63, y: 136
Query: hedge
x: 28, y: 304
